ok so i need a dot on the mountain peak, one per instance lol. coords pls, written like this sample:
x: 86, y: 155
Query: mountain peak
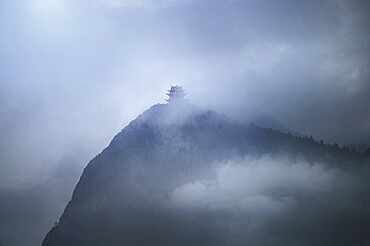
x: 176, y: 94
x: 132, y: 192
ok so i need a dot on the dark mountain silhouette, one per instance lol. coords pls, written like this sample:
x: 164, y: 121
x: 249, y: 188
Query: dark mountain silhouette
x: 122, y: 194
x: 267, y: 121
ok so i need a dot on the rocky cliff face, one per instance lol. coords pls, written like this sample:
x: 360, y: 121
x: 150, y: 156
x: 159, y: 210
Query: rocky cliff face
x: 125, y: 194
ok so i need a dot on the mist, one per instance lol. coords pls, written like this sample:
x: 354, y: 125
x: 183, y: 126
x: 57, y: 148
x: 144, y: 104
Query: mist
x: 280, y: 201
x: 74, y: 73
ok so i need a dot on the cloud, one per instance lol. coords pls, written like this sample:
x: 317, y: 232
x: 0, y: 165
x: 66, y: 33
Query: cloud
x: 265, y: 178
x: 291, y: 201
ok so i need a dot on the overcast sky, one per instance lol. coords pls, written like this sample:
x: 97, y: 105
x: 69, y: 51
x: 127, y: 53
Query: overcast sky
x: 73, y: 73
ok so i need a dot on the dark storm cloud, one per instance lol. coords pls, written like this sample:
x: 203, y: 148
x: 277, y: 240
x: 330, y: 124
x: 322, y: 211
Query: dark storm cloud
x: 75, y: 72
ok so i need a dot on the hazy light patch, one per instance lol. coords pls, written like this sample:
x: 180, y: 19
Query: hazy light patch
x: 50, y: 6
x: 145, y: 4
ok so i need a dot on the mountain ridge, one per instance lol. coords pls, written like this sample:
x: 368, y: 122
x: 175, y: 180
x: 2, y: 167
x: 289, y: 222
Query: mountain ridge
x: 167, y: 146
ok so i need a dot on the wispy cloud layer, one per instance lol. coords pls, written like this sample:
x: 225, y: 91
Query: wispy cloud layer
x: 275, y: 200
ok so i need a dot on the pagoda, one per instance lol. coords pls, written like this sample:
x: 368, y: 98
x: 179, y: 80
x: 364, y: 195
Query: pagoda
x: 176, y: 94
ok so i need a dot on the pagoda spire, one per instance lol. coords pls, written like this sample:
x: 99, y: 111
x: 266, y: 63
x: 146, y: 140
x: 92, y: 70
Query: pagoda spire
x: 176, y: 94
